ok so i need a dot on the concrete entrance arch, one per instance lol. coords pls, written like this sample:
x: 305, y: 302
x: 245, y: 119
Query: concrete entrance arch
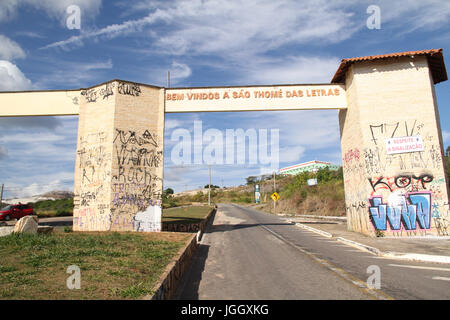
x: 394, y: 173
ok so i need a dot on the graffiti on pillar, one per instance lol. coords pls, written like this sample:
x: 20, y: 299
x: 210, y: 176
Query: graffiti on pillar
x: 91, y: 200
x: 104, y: 92
x: 377, y: 160
x: 351, y: 155
x: 442, y: 225
x: 136, y: 183
x: 380, y: 131
x: 88, y: 219
x: 409, y: 211
x: 392, y: 196
x: 130, y: 89
x: 400, y: 192
x: 148, y: 220
x: 90, y: 95
x: 409, y: 182
x: 107, y: 90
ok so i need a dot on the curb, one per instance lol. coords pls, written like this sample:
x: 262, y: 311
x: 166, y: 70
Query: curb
x: 310, y: 216
x: 361, y: 246
x: 323, y: 233
x: 417, y: 257
x: 169, y: 281
x: 378, y: 252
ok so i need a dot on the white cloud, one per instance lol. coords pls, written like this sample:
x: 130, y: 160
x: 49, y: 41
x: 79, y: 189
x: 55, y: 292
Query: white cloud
x: 26, y: 123
x: 56, y: 9
x: 3, y: 152
x: 108, y: 32
x: 409, y: 16
x: 47, y: 149
x: 29, y: 34
x: 73, y: 73
x: 198, y: 27
x: 8, y: 9
x: 304, y: 136
x: 11, y: 78
x: 290, y: 70
x: 25, y: 138
x: 203, y: 27
x: 9, y: 49
x: 45, y: 184
x: 172, y: 124
x: 178, y: 72
x: 292, y: 153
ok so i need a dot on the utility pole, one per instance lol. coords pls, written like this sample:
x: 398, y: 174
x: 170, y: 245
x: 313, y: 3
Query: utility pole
x: 209, y: 186
x: 1, y: 194
x: 274, y: 190
x: 168, y: 79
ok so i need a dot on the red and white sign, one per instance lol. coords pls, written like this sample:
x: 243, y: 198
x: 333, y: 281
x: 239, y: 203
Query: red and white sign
x: 404, y: 145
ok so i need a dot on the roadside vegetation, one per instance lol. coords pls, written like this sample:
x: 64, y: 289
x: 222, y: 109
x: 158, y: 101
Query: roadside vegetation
x: 53, y: 208
x: 113, y: 265
x: 186, y: 215
x: 296, y: 196
x: 325, y: 198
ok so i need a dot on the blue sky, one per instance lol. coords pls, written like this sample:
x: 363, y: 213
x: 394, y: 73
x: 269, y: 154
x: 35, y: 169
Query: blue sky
x: 202, y: 43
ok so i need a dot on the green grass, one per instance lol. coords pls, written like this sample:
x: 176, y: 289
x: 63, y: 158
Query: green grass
x: 194, y: 214
x: 113, y: 265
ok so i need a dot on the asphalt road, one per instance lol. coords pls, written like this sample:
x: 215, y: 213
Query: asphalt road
x: 248, y: 254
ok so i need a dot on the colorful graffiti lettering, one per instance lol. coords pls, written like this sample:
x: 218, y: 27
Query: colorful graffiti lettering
x: 407, y: 210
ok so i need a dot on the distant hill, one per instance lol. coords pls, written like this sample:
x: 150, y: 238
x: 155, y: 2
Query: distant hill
x: 52, y: 195
x: 58, y: 195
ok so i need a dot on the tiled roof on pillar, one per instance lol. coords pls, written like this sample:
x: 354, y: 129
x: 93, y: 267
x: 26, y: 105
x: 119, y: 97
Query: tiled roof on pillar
x: 434, y: 56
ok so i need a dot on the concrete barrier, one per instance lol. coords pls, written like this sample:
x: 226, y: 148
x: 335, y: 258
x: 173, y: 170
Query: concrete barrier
x: 168, y: 283
x: 188, y: 227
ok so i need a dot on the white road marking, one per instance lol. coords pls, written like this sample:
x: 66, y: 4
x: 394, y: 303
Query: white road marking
x: 441, y: 278
x: 419, y: 267
x: 375, y: 293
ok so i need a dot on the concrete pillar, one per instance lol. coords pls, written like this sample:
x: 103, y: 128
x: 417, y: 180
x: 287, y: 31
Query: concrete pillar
x: 387, y: 194
x: 119, y: 164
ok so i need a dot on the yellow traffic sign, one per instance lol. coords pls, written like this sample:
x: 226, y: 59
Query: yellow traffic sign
x: 275, y: 196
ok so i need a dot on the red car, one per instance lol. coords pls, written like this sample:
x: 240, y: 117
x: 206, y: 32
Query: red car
x: 15, y: 211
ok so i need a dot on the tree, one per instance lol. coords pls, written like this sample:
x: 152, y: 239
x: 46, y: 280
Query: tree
x: 169, y: 191
x: 251, y: 180
x: 324, y: 175
x: 212, y: 187
x: 167, y: 198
